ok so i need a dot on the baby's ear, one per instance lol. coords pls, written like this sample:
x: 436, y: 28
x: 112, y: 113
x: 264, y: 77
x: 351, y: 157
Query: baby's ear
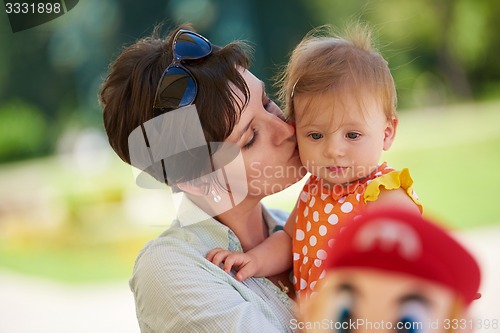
x: 390, y: 132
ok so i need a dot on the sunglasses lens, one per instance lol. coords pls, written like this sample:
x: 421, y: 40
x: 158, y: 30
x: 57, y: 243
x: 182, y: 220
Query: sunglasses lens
x: 177, y: 89
x: 191, y: 46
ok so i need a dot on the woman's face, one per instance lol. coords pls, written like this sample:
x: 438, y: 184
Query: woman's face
x: 267, y: 143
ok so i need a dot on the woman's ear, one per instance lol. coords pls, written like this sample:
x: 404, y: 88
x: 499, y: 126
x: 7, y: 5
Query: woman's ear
x: 390, y: 132
x: 196, y: 187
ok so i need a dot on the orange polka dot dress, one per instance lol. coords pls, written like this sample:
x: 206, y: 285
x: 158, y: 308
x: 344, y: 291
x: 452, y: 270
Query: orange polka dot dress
x: 321, y: 214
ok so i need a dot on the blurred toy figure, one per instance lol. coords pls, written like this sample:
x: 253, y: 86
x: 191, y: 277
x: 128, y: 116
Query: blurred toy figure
x: 393, y: 271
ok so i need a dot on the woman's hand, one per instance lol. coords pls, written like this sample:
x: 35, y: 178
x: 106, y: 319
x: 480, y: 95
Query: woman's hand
x: 245, y: 263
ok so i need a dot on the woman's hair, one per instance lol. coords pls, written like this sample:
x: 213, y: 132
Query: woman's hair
x: 329, y: 63
x: 128, y: 91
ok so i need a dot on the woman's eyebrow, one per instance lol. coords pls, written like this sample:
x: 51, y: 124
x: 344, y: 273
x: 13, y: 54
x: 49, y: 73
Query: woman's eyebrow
x: 240, y: 135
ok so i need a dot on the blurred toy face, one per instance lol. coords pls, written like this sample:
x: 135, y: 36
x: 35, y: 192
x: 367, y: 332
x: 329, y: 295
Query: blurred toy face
x: 364, y: 300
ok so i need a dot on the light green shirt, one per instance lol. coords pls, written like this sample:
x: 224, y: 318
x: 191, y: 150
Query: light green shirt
x: 177, y: 290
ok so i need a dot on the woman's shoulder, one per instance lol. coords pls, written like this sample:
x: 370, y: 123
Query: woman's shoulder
x: 171, y: 246
x: 181, y: 245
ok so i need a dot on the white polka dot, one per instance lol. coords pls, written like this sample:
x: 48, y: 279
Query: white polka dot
x: 313, y: 240
x: 300, y: 235
x: 311, y: 203
x: 341, y: 200
x: 317, y: 262
x: 328, y: 208
x: 303, y: 284
x: 305, y: 260
x: 304, y: 196
x: 346, y: 207
x: 304, y: 250
x: 312, y: 285
x: 323, y: 196
x: 296, y: 256
x: 306, y: 211
x: 378, y: 174
x: 358, y: 196
x: 323, y: 230
x: 321, y: 254
x: 331, y: 242
x: 333, y: 219
x: 308, y: 226
x: 294, y: 280
x: 322, y: 274
x: 316, y: 216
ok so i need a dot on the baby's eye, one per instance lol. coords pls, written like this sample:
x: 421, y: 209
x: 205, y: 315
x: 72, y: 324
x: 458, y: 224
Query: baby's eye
x: 352, y: 135
x: 315, y: 136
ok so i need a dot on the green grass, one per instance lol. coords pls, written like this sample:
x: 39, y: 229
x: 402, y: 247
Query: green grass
x: 74, y: 264
x: 453, y: 156
x: 458, y: 183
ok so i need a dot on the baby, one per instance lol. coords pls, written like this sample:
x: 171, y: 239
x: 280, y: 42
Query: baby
x: 340, y: 94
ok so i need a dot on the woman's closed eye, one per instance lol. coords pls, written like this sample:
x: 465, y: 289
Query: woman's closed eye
x: 252, y: 139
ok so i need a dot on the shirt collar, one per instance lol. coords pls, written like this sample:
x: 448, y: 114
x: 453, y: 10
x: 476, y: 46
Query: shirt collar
x: 189, y: 213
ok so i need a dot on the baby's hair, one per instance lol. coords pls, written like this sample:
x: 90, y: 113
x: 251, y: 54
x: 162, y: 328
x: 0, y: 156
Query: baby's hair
x: 333, y: 63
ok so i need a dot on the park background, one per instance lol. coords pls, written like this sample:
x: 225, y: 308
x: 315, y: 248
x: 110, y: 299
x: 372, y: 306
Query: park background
x: 72, y: 218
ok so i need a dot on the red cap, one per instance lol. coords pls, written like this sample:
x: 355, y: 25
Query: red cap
x: 400, y: 241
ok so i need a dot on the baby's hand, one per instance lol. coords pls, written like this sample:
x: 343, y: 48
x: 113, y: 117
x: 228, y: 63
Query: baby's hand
x: 245, y: 263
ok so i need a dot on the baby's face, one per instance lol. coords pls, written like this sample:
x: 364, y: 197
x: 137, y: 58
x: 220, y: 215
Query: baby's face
x: 341, y: 141
x: 366, y: 300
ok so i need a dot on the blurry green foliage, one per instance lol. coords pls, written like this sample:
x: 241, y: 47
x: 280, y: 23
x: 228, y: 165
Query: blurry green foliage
x: 439, y: 51
x: 23, y: 131
x: 455, y: 41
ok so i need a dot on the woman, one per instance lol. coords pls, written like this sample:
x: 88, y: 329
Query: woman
x: 175, y: 288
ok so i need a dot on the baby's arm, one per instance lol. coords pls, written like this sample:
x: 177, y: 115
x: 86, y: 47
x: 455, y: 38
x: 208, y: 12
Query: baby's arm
x: 393, y: 198
x: 271, y: 257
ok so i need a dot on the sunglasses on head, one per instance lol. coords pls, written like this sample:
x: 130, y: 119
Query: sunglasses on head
x: 177, y: 86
